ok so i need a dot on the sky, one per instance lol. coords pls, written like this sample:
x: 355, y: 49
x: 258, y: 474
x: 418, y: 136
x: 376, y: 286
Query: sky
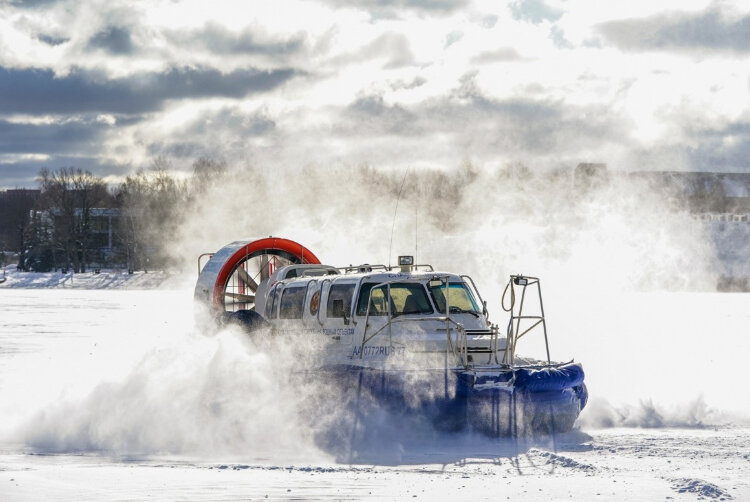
x: 111, y: 85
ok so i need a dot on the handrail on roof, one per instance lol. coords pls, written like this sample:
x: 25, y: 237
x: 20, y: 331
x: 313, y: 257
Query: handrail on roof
x: 366, y: 267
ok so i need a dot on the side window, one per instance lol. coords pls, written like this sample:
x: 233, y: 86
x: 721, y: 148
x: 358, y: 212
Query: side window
x: 271, y: 303
x: 340, y: 300
x: 292, y: 299
x: 378, y: 304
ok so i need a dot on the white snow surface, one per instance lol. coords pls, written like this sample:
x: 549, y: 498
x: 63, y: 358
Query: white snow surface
x: 107, y: 278
x: 118, y: 394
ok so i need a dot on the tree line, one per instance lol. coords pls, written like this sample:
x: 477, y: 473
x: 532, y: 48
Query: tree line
x: 74, y: 220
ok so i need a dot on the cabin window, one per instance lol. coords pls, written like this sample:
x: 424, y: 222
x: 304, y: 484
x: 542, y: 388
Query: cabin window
x: 292, y: 300
x: 270, y: 301
x: 406, y: 298
x: 461, y: 299
x: 409, y: 298
x: 341, y: 293
x: 377, y: 301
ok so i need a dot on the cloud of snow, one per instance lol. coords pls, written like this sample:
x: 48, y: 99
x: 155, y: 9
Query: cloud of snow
x: 623, y: 269
x: 610, y: 252
x: 225, y: 395
x: 647, y: 414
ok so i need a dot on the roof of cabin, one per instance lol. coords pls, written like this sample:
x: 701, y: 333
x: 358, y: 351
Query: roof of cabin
x: 376, y: 276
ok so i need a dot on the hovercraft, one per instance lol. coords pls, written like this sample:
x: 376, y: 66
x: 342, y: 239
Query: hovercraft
x: 415, y: 339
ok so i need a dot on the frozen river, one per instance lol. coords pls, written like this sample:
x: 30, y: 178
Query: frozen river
x: 115, y: 395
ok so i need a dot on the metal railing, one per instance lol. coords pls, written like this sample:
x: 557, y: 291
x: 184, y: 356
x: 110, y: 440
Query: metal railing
x: 200, y: 258
x: 366, y: 268
x: 514, y: 332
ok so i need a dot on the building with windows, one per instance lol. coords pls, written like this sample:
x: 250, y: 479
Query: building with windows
x: 720, y: 200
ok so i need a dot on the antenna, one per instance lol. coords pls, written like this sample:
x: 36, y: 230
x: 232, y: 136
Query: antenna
x: 416, y: 230
x: 395, y: 211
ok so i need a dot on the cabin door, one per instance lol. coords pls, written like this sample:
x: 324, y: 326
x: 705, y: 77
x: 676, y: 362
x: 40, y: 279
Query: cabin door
x: 336, y: 313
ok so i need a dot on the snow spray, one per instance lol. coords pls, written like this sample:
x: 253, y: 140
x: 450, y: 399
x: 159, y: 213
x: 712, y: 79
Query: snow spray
x: 629, y: 280
x: 628, y: 284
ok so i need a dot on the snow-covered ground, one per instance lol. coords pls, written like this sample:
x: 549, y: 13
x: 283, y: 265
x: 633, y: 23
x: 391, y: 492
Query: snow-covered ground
x: 617, y: 464
x: 114, y: 394
x: 108, y: 278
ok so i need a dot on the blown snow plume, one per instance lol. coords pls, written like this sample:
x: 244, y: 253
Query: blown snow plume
x: 623, y: 227
x: 596, y: 247
x: 612, y: 250
x: 223, y: 395
x: 646, y: 414
x: 209, y: 393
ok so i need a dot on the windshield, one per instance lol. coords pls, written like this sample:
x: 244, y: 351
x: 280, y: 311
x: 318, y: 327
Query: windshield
x: 461, y: 299
x: 406, y: 298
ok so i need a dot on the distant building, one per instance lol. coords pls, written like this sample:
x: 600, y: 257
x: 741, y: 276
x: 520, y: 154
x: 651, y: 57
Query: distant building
x: 15, y: 205
x: 721, y: 200
x: 19, y: 193
x: 105, y: 243
x: 707, y: 195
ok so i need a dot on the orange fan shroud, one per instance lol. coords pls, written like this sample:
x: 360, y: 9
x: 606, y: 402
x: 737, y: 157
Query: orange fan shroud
x: 212, y: 281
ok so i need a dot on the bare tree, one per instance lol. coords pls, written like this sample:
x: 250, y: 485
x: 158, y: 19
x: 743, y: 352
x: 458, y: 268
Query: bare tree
x: 15, y: 208
x: 69, y: 194
x: 206, y: 174
x: 152, y: 202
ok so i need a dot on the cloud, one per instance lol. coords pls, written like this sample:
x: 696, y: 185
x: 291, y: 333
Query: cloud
x: 390, y: 46
x: 22, y: 173
x: 33, y: 4
x: 61, y: 137
x: 679, y: 31
x: 415, y: 82
x: 383, y: 84
x: 393, y: 6
x: 113, y: 39
x: 18, y: 174
x: 500, y: 55
x: 220, y: 40
x: 725, y: 148
x: 215, y: 134
x: 370, y: 114
x: 254, y: 123
x: 534, y: 11
x: 557, y: 35
x: 516, y: 126
x: 52, y: 40
x: 32, y: 91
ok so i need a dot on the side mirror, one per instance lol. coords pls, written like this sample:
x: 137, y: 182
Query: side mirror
x: 484, y: 308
